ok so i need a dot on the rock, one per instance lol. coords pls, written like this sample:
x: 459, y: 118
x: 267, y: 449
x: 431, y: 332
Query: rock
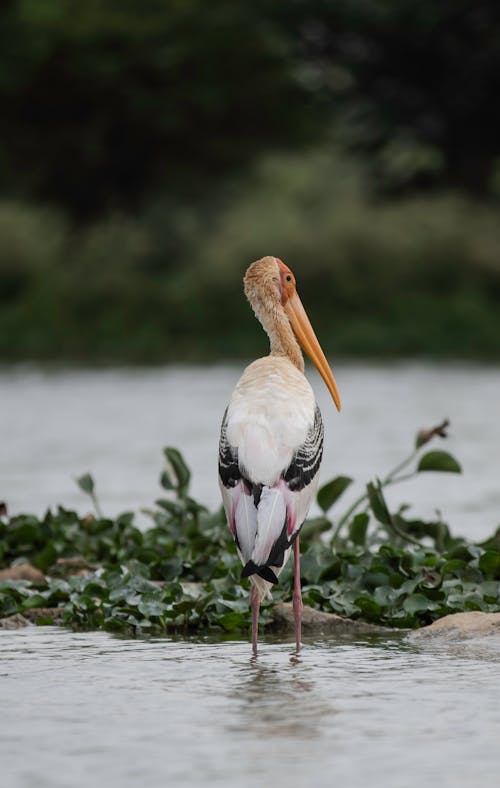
x: 69, y: 567
x: 43, y: 612
x: 16, y: 621
x: 461, y: 625
x: 23, y: 572
x: 316, y: 621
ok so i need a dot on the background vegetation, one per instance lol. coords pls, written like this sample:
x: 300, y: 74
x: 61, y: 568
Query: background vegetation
x: 151, y: 150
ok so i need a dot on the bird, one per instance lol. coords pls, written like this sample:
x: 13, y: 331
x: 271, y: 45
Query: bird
x: 271, y: 439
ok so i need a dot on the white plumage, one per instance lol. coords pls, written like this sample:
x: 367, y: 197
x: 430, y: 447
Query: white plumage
x: 269, y: 417
x: 272, y: 438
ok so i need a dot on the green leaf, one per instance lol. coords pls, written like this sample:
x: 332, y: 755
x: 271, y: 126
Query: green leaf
x: 417, y: 603
x: 454, y: 566
x: 439, y: 461
x: 172, y: 507
x: 313, y: 528
x: 489, y: 563
x: 8, y: 605
x: 35, y: 600
x: 378, y: 504
x: 150, y: 605
x: 330, y: 492
x: 44, y: 621
x: 86, y: 483
x: 491, y: 589
x: 231, y: 621
x: 385, y: 595
x: 368, y: 606
x: 177, y: 472
x: 358, y: 529
x: 166, y: 481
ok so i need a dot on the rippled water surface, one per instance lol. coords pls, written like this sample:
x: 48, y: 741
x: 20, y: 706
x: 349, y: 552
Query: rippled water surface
x: 91, y: 709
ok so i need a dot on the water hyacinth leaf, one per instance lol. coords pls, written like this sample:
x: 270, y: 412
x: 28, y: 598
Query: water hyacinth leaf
x: 25, y: 533
x: 489, y: 563
x: 454, y: 566
x: 8, y: 605
x: 177, y: 470
x: 183, y: 572
x: 151, y: 605
x: 332, y: 570
x: 35, y: 600
x: 313, y: 528
x: 232, y: 621
x: 311, y: 564
x: 44, y: 621
x: 184, y: 606
x: 172, y: 507
x: 378, y: 504
x: 385, y: 596
x: 358, y: 529
x: 368, y: 606
x: 493, y: 542
x: 418, y: 603
x: 329, y: 493
x: 166, y: 481
x: 86, y: 483
x: 439, y: 461
x: 373, y: 580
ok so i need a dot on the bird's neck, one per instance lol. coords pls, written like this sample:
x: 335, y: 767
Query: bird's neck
x: 283, y: 341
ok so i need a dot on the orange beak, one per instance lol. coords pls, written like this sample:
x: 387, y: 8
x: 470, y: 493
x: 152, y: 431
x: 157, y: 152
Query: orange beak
x: 304, y: 332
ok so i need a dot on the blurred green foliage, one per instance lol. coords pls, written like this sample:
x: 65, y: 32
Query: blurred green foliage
x: 420, y: 275
x: 151, y: 150
x: 104, y: 102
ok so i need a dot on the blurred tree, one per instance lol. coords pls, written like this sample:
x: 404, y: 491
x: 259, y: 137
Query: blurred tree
x: 103, y: 102
x: 108, y: 101
x: 414, y: 83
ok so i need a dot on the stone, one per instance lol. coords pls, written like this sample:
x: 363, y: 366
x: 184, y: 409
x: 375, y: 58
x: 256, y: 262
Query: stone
x: 71, y: 567
x: 318, y: 622
x: 43, y: 612
x: 17, y: 621
x: 461, y: 625
x: 23, y: 572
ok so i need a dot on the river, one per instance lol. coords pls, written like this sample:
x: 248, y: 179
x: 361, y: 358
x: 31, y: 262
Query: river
x: 82, y: 709
x: 90, y: 709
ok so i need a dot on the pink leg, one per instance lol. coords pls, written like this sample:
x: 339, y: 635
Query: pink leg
x: 255, y: 603
x: 297, y: 594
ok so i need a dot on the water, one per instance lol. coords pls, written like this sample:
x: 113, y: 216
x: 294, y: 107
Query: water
x: 91, y: 709
x: 57, y: 424
x: 83, y: 709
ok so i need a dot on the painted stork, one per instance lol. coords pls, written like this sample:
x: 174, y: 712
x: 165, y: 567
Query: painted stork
x: 271, y: 440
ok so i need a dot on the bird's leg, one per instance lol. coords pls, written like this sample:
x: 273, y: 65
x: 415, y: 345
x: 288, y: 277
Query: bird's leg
x: 255, y: 603
x: 297, y: 594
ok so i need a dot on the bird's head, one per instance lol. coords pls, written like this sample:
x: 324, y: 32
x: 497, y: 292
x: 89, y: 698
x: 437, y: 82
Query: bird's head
x: 270, y: 288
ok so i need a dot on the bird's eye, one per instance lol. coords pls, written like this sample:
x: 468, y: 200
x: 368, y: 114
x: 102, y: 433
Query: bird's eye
x: 289, y: 278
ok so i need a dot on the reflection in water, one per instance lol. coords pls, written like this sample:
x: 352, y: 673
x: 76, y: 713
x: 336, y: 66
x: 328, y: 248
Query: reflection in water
x: 280, y: 702
x: 385, y: 712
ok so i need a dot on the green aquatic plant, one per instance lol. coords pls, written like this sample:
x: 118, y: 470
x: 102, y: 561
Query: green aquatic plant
x: 182, y: 573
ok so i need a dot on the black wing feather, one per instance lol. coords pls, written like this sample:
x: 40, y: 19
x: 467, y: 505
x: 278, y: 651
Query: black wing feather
x: 307, y: 459
x: 229, y: 470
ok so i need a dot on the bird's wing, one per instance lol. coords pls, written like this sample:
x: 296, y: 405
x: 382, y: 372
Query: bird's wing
x: 241, y: 511
x: 265, y: 519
